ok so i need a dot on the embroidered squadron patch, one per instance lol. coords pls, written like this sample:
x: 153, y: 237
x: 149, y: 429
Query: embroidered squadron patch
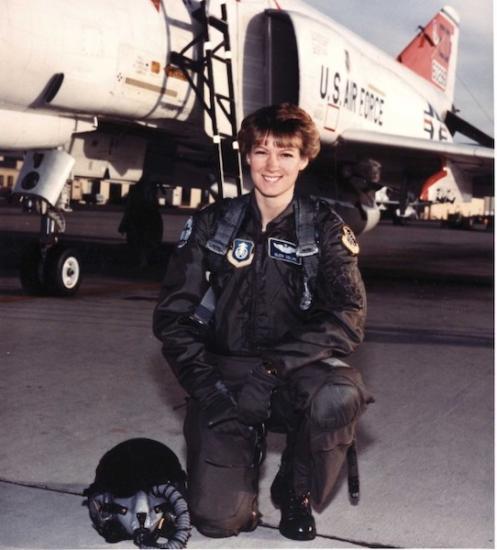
x: 283, y: 250
x: 185, y: 234
x: 349, y: 240
x: 241, y: 253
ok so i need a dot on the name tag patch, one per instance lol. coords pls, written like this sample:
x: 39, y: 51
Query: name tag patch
x: 284, y: 251
x: 242, y: 253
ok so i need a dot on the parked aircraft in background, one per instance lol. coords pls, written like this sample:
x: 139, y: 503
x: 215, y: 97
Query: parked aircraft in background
x: 130, y: 88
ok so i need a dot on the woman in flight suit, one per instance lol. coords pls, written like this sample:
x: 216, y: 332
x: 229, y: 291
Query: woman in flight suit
x: 268, y: 355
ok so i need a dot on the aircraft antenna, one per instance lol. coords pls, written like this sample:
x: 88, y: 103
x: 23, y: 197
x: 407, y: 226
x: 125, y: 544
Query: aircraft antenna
x: 483, y: 110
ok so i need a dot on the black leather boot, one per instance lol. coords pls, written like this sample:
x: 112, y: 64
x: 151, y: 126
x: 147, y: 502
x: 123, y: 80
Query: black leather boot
x: 297, y: 521
x: 283, y: 480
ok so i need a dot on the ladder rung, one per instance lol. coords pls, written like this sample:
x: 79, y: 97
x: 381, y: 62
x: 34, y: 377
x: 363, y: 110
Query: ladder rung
x: 181, y: 61
x: 219, y: 24
x: 225, y: 97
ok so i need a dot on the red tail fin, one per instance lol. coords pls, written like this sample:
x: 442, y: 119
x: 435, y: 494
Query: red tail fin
x: 433, y: 52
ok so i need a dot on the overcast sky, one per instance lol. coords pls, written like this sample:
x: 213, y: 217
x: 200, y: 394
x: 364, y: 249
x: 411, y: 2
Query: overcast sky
x: 391, y: 24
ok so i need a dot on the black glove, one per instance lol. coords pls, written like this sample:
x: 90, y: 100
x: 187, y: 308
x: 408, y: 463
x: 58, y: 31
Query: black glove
x: 254, y: 400
x: 221, y: 411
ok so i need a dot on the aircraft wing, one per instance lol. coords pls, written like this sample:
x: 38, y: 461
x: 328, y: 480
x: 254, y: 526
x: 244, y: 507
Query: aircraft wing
x: 473, y: 159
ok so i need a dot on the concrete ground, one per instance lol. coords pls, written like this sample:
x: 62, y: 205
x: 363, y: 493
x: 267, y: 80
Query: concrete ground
x: 79, y: 375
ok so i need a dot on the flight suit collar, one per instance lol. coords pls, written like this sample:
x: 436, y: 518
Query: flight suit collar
x: 257, y: 214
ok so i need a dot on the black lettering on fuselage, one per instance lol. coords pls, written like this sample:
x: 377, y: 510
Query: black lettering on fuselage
x: 350, y: 96
x: 442, y: 133
x: 367, y: 105
x: 323, y: 88
x: 364, y: 102
x: 361, y: 102
x: 336, y: 88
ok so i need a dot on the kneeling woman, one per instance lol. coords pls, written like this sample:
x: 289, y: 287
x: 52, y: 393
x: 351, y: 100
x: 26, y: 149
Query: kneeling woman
x: 261, y: 301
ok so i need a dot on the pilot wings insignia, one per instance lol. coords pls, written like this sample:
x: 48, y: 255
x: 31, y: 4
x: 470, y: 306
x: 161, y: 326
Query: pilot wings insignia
x: 285, y: 248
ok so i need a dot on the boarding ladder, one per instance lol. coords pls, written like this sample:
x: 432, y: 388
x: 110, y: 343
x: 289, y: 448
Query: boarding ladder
x: 203, y: 67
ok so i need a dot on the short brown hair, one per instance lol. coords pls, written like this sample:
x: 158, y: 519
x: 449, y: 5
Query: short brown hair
x: 286, y: 122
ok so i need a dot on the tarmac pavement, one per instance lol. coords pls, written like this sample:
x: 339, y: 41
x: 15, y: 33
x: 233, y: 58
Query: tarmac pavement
x: 79, y: 375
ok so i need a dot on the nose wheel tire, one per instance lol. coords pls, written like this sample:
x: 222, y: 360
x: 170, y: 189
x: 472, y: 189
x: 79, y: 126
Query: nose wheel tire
x: 56, y: 273
x: 62, y: 271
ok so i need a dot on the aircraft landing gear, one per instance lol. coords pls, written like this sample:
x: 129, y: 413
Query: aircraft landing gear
x: 48, y: 267
x: 52, y: 271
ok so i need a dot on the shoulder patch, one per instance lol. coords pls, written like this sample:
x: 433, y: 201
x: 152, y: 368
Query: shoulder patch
x: 349, y: 240
x: 185, y: 233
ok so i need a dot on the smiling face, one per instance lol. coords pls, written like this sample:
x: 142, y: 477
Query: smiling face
x: 275, y: 166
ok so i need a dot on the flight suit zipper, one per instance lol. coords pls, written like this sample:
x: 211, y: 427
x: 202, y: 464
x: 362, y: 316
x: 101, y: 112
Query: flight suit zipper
x: 257, y: 280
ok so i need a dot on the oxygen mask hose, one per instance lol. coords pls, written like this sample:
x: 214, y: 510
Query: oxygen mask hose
x: 177, y: 527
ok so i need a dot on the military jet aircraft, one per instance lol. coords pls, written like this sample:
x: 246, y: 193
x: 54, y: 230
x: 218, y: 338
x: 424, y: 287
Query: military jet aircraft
x: 127, y: 88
